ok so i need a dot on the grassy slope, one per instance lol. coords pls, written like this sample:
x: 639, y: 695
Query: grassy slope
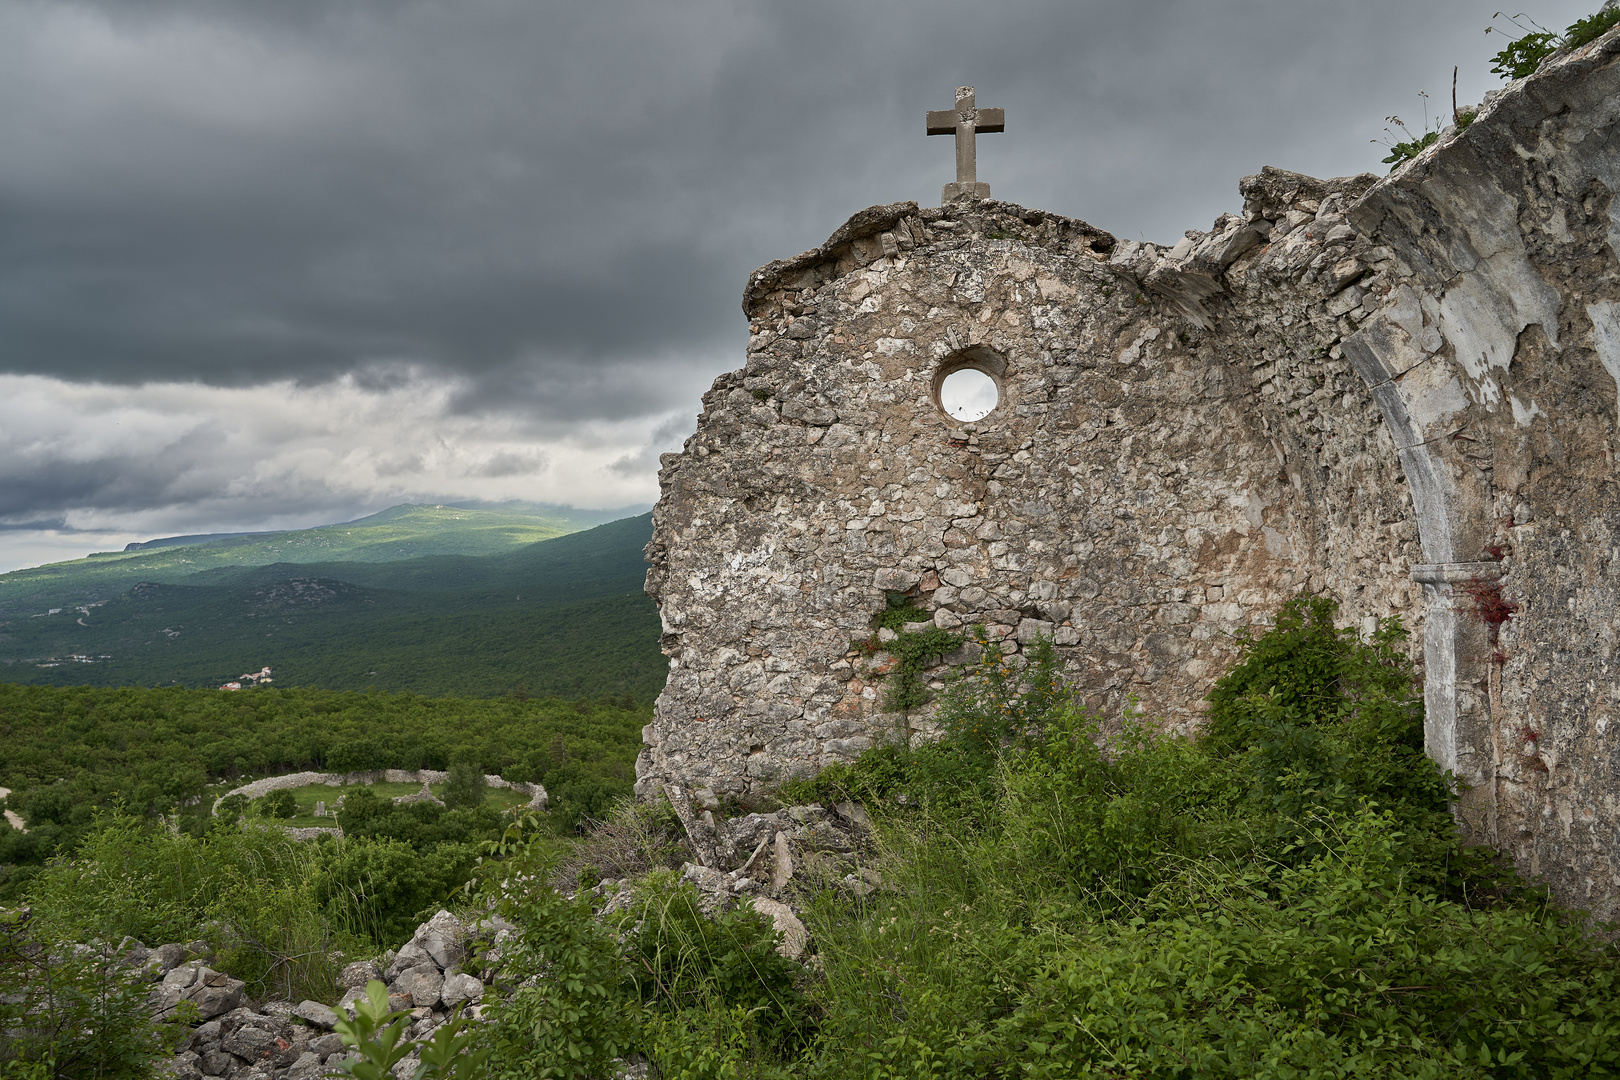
x: 564, y: 616
x: 401, y: 532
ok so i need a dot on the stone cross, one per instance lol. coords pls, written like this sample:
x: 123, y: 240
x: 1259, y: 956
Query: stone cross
x: 964, y: 122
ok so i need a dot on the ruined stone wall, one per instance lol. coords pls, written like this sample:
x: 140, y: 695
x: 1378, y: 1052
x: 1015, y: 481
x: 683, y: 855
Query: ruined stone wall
x: 1495, y: 362
x: 1148, y: 485
x: 1396, y: 392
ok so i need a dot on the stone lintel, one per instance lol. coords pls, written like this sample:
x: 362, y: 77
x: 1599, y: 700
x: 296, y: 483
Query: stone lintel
x: 1452, y: 573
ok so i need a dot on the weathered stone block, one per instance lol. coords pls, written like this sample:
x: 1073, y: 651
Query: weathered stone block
x: 461, y: 987
x: 359, y: 973
x: 317, y: 1014
x: 423, y: 985
x: 442, y: 938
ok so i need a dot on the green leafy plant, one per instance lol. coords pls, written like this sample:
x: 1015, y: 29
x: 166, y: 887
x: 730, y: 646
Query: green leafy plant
x: 715, y: 1043
x: 1587, y: 30
x: 1001, y: 699
x: 72, y: 1010
x: 1404, y: 150
x: 566, y: 1016
x: 379, y: 1037
x: 381, y: 889
x: 899, y: 609
x: 682, y: 959
x: 465, y: 788
x: 904, y: 687
x: 1524, y: 54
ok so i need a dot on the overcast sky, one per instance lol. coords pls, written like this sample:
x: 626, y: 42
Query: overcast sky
x: 276, y: 264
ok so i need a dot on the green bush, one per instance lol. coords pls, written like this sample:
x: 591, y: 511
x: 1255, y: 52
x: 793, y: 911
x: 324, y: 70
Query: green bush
x: 1313, y: 718
x: 1285, y: 897
x: 272, y: 908
x: 682, y: 959
x: 635, y: 838
x: 716, y: 1043
x: 72, y: 1012
x: 996, y: 703
x: 423, y: 825
x: 381, y: 890
x: 465, y: 788
x: 566, y: 1016
x: 378, y: 1036
x: 279, y: 804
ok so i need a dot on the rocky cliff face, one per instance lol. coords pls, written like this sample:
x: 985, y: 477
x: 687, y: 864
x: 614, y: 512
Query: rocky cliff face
x: 1399, y: 392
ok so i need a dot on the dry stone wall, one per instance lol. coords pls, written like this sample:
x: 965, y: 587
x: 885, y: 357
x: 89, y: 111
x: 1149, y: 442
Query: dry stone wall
x: 1399, y: 392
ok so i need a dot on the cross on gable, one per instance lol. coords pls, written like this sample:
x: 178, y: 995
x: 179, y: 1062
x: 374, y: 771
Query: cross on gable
x: 965, y: 121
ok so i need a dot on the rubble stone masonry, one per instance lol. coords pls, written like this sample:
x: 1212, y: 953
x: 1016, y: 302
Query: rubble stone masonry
x: 1397, y: 392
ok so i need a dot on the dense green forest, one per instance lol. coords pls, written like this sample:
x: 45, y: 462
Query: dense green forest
x: 563, y: 617
x: 73, y: 753
x: 1041, y: 894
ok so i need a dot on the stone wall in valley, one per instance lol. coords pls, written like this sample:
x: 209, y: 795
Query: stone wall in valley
x: 1399, y: 392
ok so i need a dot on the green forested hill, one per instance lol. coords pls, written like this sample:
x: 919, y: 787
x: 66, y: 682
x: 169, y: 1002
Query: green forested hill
x: 564, y: 616
x: 398, y: 533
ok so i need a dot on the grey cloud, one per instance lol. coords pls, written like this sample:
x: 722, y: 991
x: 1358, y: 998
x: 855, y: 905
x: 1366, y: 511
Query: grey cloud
x: 506, y: 463
x: 405, y: 465
x: 565, y: 184
x: 665, y: 437
x: 554, y: 205
x: 34, y: 525
x: 57, y: 486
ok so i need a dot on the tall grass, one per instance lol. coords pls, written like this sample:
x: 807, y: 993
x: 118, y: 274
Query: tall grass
x: 278, y: 913
x: 1286, y: 897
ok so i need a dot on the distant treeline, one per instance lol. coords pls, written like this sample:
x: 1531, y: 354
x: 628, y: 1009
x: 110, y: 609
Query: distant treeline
x: 69, y: 752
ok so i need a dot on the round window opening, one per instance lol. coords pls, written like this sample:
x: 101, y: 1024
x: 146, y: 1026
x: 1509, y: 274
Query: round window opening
x: 967, y: 386
x: 968, y: 394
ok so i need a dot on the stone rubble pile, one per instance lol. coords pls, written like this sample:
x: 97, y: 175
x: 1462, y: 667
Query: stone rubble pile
x: 281, y: 1040
x: 769, y: 859
x: 766, y: 859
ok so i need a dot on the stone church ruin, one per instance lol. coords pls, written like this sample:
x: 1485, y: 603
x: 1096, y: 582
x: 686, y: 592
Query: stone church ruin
x: 1399, y: 392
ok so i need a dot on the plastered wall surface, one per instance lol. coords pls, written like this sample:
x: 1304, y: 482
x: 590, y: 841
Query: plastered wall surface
x: 1399, y: 392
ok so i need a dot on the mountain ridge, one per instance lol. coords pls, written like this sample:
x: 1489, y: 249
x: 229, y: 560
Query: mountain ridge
x: 564, y: 615
x: 406, y: 531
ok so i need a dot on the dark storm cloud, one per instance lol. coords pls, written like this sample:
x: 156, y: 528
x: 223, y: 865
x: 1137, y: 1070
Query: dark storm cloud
x: 551, y: 208
x: 235, y: 192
